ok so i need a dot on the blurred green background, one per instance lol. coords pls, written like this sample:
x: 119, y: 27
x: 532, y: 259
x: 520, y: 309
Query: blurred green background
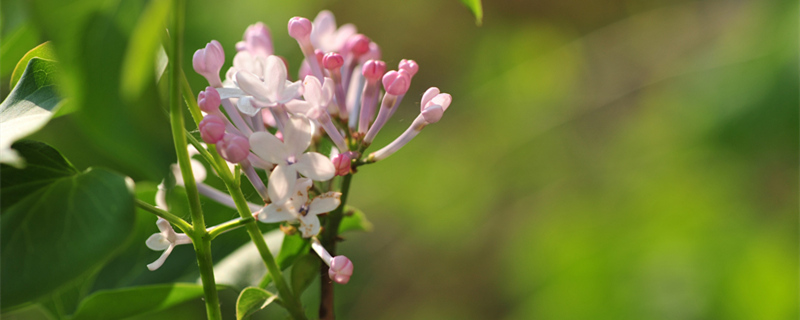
x: 601, y: 159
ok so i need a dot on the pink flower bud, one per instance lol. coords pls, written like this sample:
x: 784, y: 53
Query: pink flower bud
x: 257, y: 40
x: 342, y: 164
x: 209, y: 100
x: 212, y: 128
x: 396, y: 82
x: 320, y: 55
x: 332, y: 60
x: 410, y: 66
x: 209, y: 60
x: 374, y: 53
x: 299, y: 28
x: 233, y: 148
x: 341, y: 269
x: 357, y: 44
x: 373, y: 69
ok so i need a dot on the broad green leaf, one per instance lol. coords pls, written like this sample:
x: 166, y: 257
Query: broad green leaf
x: 130, y: 302
x: 476, y: 8
x: 27, y: 108
x: 354, y: 220
x: 252, y: 299
x: 31, y: 312
x: 137, y: 68
x: 304, y: 270
x: 292, y: 247
x: 43, y: 51
x: 61, y: 231
x: 14, y: 46
x: 44, y: 166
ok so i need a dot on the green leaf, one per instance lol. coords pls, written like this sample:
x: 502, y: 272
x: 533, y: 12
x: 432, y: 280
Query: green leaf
x: 251, y: 300
x: 476, y: 8
x: 14, y: 46
x: 61, y: 231
x: 43, y: 51
x: 354, y: 220
x: 292, y: 247
x: 45, y: 166
x: 27, y: 108
x: 304, y: 270
x: 140, y: 57
x: 130, y: 302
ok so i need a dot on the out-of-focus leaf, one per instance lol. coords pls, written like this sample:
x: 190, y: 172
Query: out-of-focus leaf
x: 14, y: 46
x: 292, y: 247
x: 130, y: 302
x: 62, y: 230
x: 252, y: 299
x: 44, y: 51
x: 28, y: 107
x: 140, y: 56
x: 476, y: 8
x: 354, y: 220
x: 304, y: 270
x: 32, y: 312
x: 44, y: 166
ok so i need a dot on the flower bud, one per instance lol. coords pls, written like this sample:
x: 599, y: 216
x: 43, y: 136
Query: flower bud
x: 396, y: 82
x: 373, y: 69
x: 209, y: 100
x: 341, y: 269
x: 357, y: 44
x: 233, y: 148
x: 212, y: 128
x: 332, y: 60
x: 320, y: 55
x: 209, y: 60
x: 299, y: 28
x: 409, y: 66
x: 257, y: 40
x: 342, y: 164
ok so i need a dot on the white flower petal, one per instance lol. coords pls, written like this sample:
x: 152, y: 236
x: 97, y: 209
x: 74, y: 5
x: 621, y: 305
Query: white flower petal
x: 227, y: 93
x: 268, y: 147
x: 315, y: 166
x: 309, y: 225
x: 325, y: 202
x: 281, y: 183
x: 443, y: 100
x: 313, y: 90
x: 297, y: 135
x: 338, y: 39
x: 157, y: 242
x: 276, y: 213
x: 247, y: 106
x: 274, y: 77
x: 298, y: 106
x: 291, y: 91
x: 327, y: 92
x: 157, y: 264
x: 300, y: 195
x: 252, y: 85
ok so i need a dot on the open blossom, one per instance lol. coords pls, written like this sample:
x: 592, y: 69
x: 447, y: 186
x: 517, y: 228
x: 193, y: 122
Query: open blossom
x: 300, y: 208
x: 326, y: 37
x: 289, y: 158
x: 266, y: 90
x: 166, y: 240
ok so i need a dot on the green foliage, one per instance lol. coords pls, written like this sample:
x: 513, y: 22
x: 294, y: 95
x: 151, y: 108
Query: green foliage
x: 140, y: 57
x: 476, y: 8
x: 43, y: 51
x: 304, y: 270
x: 28, y: 107
x: 354, y: 220
x: 62, y: 227
x: 292, y: 247
x: 251, y: 300
x: 137, y: 301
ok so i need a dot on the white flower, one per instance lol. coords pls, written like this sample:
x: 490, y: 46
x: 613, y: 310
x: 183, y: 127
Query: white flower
x: 268, y: 89
x: 300, y: 208
x: 289, y: 158
x: 326, y: 37
x: 316, y: 95
x: 166, y: 240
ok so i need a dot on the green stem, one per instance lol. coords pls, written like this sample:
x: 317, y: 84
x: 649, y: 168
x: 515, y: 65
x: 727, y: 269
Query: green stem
x: 329, y: 235
x: 173, y: 219
x: 227, y: 226
x: 199, y: 236
x: 291, y: 302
